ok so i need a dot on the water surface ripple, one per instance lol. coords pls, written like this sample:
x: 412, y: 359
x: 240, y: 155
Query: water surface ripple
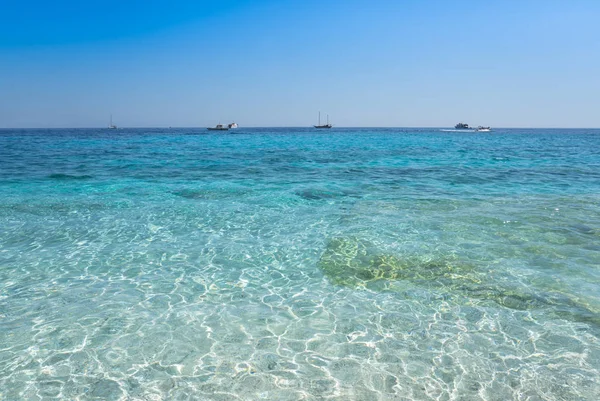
x: 295, y: 264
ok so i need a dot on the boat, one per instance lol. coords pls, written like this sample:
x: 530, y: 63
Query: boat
x: 232, y: 126
x: 325, y: 125
x: 482, y: 129
x: 218, y: 127
x: 462, y: 126
x: 111, y: 125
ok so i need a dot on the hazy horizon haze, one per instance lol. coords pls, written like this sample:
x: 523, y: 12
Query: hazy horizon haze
x: 267, y: 64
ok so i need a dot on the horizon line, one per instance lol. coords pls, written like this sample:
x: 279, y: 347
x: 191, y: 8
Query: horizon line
x: 277, y: 126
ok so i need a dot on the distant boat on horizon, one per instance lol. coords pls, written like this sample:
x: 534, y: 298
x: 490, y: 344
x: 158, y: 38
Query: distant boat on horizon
x: 111, y: 125
x: 465, y: 127
x: 232, y: 126
x: 323, y: 126
x: 218, y: 127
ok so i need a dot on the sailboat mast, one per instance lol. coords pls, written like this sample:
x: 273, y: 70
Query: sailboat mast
x: 319, y: 118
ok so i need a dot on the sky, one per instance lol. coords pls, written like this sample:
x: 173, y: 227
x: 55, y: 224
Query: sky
x: 401, y: 63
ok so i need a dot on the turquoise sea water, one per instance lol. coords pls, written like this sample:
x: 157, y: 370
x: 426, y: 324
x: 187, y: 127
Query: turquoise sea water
x: 290, y: 264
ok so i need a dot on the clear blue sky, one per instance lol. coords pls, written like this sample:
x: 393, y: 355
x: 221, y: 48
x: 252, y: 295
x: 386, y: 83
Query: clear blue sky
x: 505, y: 63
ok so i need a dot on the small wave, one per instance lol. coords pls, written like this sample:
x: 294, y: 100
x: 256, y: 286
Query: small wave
x: 209, y: 194
x: 69, y: 177
x: 321, y: 194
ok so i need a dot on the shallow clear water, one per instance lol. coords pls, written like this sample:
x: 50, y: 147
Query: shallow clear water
x: 288, y: 264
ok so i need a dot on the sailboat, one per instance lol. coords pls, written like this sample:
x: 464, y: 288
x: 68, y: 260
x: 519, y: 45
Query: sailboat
x: 111, y: 125
x: 325, y: 125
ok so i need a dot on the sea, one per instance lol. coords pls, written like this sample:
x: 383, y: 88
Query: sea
x: 299, y: 264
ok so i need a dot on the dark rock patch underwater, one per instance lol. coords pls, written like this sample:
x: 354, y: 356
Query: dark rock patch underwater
x: 355, y: 263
